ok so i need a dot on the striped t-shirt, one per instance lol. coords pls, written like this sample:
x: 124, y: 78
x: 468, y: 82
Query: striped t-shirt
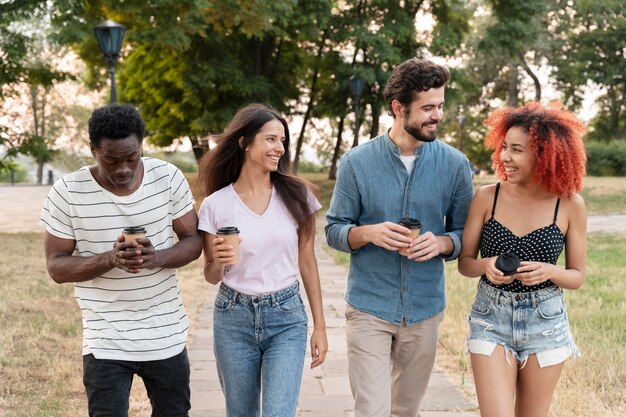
x: 134, y: 317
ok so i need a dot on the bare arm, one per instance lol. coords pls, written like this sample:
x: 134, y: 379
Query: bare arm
x: 307, y: 264
x: 64, y: 267
x: 469, y: 265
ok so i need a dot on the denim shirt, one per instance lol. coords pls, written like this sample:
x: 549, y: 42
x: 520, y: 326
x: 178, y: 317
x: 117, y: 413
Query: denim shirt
x: 373, y: 186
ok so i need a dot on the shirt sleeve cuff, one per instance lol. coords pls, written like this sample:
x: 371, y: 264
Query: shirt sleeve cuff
x: 456, y: 242
x: 342, y: 238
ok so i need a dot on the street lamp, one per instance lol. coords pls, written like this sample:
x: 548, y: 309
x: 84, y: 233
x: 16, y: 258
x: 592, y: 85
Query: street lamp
x: 110, y: 35
x: 460, y: 118
x: 356, y: 89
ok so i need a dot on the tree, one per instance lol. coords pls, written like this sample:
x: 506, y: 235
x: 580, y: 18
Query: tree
x: 590, y: 48
x: 190, y: 65
x: 28, y: 67
x: 375, y: 48
x: 13, y: 49
x: 513, y: 35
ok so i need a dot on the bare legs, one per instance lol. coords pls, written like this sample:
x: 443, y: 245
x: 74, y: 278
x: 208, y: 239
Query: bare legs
x: 505, y: 391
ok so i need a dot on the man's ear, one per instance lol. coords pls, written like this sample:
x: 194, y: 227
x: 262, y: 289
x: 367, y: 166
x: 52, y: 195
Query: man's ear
x: 397, y: 108
x: 92, y: 149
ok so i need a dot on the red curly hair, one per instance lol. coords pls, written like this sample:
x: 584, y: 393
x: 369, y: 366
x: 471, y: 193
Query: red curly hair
x: 555, y: 137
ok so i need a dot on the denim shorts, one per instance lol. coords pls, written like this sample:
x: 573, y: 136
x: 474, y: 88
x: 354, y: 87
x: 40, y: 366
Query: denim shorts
x: 533, y: 323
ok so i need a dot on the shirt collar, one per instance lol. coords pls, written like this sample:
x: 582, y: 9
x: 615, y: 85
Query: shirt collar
x: 392, y: 147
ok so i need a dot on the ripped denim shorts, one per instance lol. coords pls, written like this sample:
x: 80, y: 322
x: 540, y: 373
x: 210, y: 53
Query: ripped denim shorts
x: 523, y: 323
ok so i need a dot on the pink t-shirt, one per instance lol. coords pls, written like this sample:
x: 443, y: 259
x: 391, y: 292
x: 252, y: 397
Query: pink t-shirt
x: 268, y: 252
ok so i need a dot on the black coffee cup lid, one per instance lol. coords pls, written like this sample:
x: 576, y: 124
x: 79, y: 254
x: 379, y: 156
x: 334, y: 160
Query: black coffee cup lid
x: 410, y: 222
x: 134, y: 230
x: 507, y: 263
x: 228, y: 230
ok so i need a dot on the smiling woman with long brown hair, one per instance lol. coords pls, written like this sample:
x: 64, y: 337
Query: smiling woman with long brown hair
x: 260, y: 325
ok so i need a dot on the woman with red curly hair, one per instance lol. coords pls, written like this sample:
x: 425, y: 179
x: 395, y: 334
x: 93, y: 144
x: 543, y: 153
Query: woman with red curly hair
x: 519, y: 334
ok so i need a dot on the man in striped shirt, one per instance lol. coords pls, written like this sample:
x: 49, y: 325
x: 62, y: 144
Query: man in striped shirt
x: 133, y: 317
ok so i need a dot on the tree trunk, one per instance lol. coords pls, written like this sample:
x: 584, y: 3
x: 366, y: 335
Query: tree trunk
x: 513, y: 87
x: 309, y: 108
x: 332, y: 175
x: 199, y: 149
x: 620, y: 113
x: 375, y: 121
x: 40, y: 172
x: 534, y: 77
x: 33, y: 98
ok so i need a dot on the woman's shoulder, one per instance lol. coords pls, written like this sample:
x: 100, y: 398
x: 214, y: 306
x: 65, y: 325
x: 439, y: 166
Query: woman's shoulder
x: 220, y: 196
x: 574, y: 204
x: 486, y: 192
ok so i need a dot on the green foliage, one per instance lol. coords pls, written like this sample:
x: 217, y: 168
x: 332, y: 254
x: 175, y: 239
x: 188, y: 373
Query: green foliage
x: 606, y: 159
x: 37, y: 147
x: 452, y: 26
x: 307, y: 167
x: 590, y: 48
x: 20, y: 174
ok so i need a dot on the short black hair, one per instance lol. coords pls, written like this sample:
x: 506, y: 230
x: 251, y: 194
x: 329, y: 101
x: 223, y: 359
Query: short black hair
x: 115, y: 121
x: 411, y: 77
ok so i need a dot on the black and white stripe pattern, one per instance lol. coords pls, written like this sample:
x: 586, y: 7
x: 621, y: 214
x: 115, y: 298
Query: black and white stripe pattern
x: 126, y: 316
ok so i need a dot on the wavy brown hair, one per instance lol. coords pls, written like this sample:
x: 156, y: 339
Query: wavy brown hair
x: 555, y: 137
x: 411, y: 77
x: 221, y: 166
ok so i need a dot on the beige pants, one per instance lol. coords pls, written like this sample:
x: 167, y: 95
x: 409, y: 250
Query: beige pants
x: 389, y: 365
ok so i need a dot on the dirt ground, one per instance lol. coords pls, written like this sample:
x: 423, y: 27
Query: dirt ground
x: 21, y: 208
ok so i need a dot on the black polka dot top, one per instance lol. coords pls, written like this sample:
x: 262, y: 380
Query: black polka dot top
x: 541, y: 245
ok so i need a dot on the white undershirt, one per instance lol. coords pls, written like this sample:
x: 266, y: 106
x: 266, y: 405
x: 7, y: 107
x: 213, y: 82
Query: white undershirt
x: 408, y: 161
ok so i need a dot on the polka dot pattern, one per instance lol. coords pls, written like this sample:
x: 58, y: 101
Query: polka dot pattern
x: 541, y: 245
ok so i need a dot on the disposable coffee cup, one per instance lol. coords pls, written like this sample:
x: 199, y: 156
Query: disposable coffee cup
x: 414, y: 226
x: 134, y: 232
x: 231, y: 237
x: 507, y: 263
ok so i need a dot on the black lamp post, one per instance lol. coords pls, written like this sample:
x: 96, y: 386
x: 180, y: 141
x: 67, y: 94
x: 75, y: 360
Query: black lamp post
x: 460, y: 118
x: 356, y: 89
x: 110, y: 35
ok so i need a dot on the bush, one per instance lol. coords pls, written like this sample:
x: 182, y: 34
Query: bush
x: 606, y: 159
x: 310, y: 167
x: 20, y: 174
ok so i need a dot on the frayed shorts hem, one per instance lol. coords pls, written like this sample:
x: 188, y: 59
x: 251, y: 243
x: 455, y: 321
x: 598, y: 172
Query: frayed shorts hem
x: 545, y: 358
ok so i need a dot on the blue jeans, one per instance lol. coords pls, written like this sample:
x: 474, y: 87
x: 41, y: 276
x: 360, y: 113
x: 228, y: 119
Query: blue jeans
x: 260, y: 343
x: 107, y: 383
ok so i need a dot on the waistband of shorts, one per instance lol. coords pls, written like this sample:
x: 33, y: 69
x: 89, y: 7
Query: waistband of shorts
x: 507, y: 297
x: 238, y: 297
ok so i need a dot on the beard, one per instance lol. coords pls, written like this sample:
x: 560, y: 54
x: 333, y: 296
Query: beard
x: 418, y: 134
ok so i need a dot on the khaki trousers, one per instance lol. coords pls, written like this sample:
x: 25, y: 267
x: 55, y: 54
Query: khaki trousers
x: 389, y: 365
